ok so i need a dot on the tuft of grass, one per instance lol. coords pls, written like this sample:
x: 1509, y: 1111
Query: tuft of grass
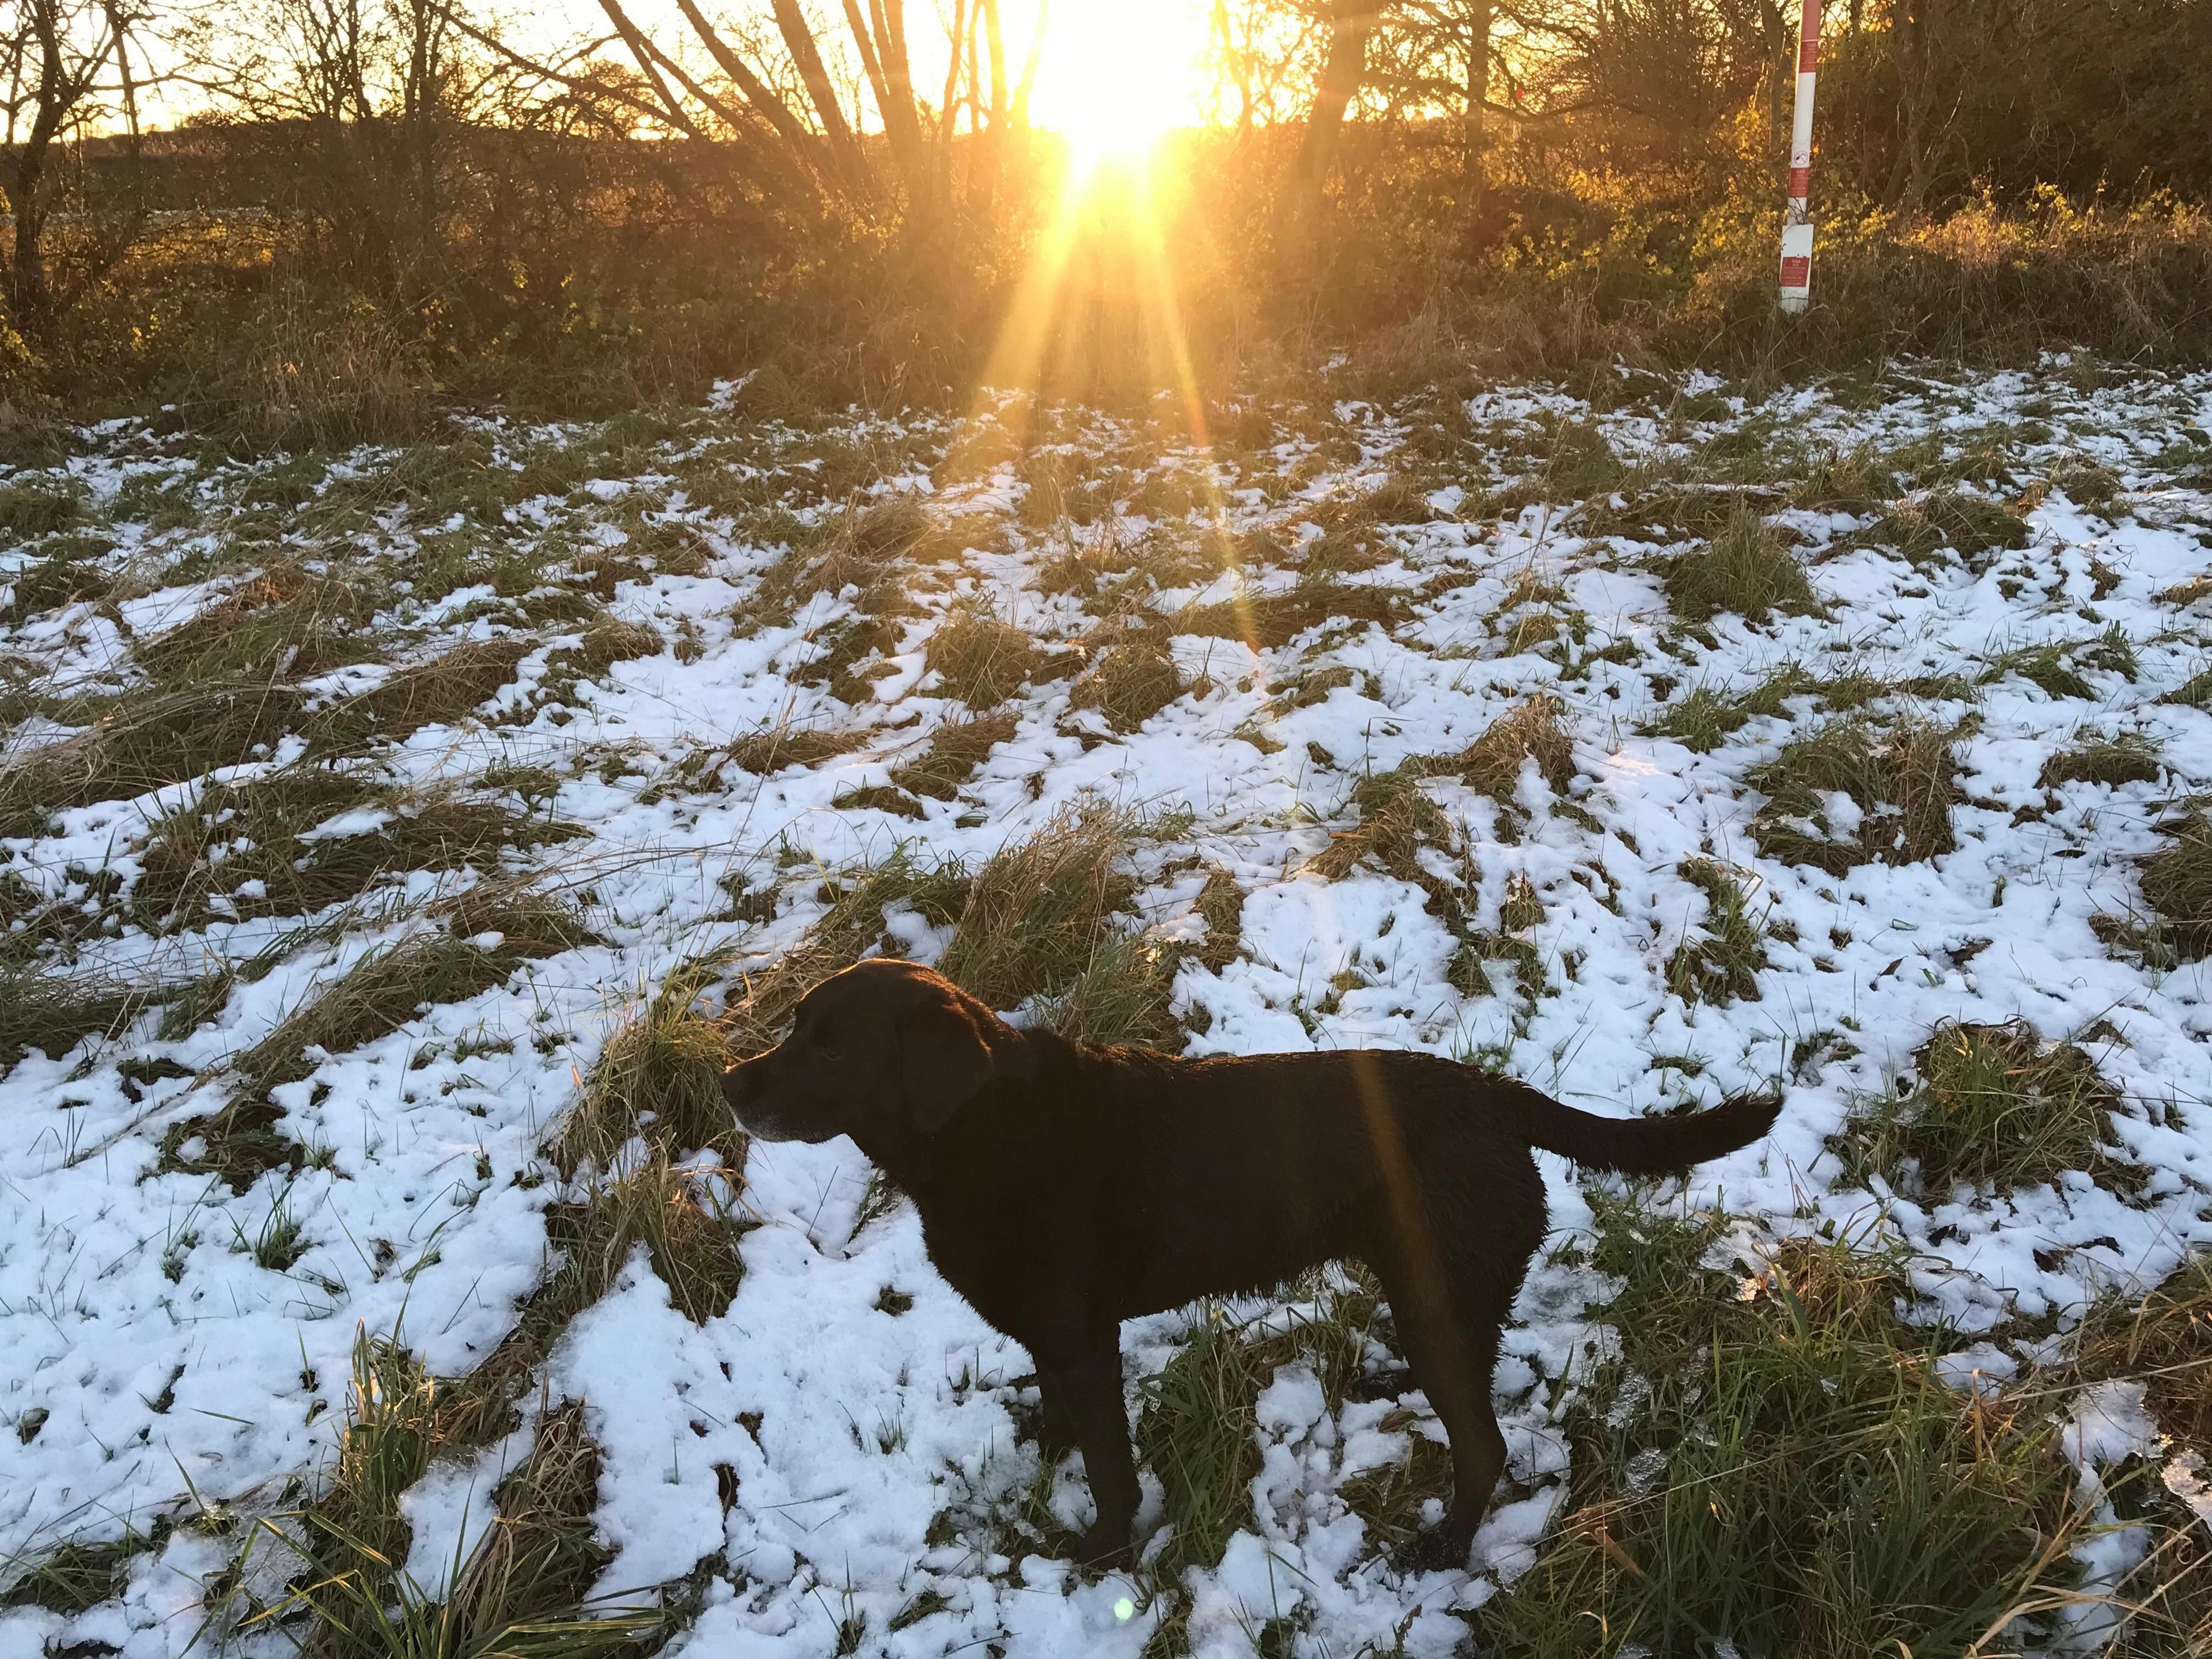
x: 1746, y: 568
x: 45, y: 1009
x: 377, y: 995
x: 1955, y: 521
x: 1995, y: 1108
x: 442, y: 691
x: 853, y: 925
x: 2124, y: 757
x: 690, y: 1230
x: 1197, y: 1429
x: 530, y: 923
x: 1902, y: 785
x: 68, y: 574
x: 2161, y: 1343
x: 521, y: 1591
x: 77, y: 1577
x: 982, y: 659
x: 772, y: 749
x: 265, y: 832
x: 141, y: 745
x: 1040, y: 912
x: 2177, y: 883
x: 659, y: 1076
x: 1701, y: 720
x: 26, y: 509
x: 2194, y: 692
x: 1396, y: 820
x: 956, y: 750
x: 1132, y: 679
x: 1777, y: 1463
x: 611, y: 640
x: 1221, y: 908
x: 2045, y: 667
x: 1534, y: 730
x: 1390, y: 1498
x: 1722, y: 962
x: 1270, y: 621
x: 1120, y: 996
x: 284, y: 623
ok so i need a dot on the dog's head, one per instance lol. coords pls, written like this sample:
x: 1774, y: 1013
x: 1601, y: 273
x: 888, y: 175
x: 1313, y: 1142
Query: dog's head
x: 884, y: 1052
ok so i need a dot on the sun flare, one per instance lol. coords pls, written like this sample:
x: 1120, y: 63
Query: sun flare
x: 1116, y: 74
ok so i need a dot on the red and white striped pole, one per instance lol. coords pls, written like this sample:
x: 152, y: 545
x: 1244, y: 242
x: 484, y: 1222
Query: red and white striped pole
x: 1796, y: 221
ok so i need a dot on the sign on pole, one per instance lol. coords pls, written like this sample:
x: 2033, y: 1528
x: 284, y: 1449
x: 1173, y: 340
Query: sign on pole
x: 1797, y: 221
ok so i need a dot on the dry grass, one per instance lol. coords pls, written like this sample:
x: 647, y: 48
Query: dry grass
x: 982, y: 659
x: 1390, y: 1498
x: 853, y: 925
x: 1041, y: 911
x: 956, y: 750
x: 441, y: 691
x: 1221, y: 908
x: 1777, y: 1459
x: 1397, y: 819
x: 44, y: 1008
x: 261, y: 832
x: 659, y: 1076
x: 1270, y: 621
x: 690, y: 1230
x: 1996, y: 1107
x: 772, y: 749
x: 143, y: 744
x: 1746, y: 568
x: 1132, y: 679
x: 286, y: 622
x: 318, y: 376
x: 1534, y: 730
x: 1902, y: 783
x: 2177, y: 883
x: 2123, y: 757
x: 1953, y: 520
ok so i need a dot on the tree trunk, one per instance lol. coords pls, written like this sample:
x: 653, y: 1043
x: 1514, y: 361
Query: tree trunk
x: 1351, y: 22
x: 1477, y: 99
x: 799, y: 39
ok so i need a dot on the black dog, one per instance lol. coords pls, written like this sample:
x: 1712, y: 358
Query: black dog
x: 1064, y: 1188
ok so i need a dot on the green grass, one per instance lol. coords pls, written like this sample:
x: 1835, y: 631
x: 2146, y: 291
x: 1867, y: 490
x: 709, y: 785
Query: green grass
x: 1994, y: 1107
x: 46, y: 1008
x: 1778, y: 1466
x: 1721, y: 960
x: 1197, y: 1430
x: 1903, y: 783
x: 1746, y: 568
x: 660, y: 1075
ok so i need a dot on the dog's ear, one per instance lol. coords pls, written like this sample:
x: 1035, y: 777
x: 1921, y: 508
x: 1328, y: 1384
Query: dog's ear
x: 945, y: 1061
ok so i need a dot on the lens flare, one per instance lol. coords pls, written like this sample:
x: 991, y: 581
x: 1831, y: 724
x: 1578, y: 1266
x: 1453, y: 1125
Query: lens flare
x: 1116, y: 74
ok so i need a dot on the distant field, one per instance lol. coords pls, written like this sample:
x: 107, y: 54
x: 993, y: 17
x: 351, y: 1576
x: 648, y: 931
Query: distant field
x: 393, y: 843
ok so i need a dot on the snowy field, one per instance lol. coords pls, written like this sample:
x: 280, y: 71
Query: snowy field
x: 1749, y: 831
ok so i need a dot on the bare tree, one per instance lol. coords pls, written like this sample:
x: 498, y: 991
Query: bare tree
x: 69, y: 70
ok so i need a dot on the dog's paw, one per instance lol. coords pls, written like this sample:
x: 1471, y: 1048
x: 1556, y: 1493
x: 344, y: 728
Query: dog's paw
x: 1443, y: 1549
x: 1104, y: 1549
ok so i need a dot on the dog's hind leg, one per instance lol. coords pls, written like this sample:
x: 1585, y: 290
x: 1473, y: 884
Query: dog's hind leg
x: 1086, y: 1396
x: 1448, y: 1325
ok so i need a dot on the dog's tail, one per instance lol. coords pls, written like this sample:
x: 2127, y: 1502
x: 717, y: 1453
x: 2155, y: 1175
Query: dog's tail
x: 1644, y: 1146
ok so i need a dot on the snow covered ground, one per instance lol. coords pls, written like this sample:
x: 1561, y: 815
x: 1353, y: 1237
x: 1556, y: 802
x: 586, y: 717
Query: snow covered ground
x: 162, y: 1354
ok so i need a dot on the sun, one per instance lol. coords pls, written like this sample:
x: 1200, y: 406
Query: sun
x: 1116, y: 74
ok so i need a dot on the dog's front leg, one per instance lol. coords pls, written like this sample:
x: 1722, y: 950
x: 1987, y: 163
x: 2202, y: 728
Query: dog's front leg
x: 1086, y: 1396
